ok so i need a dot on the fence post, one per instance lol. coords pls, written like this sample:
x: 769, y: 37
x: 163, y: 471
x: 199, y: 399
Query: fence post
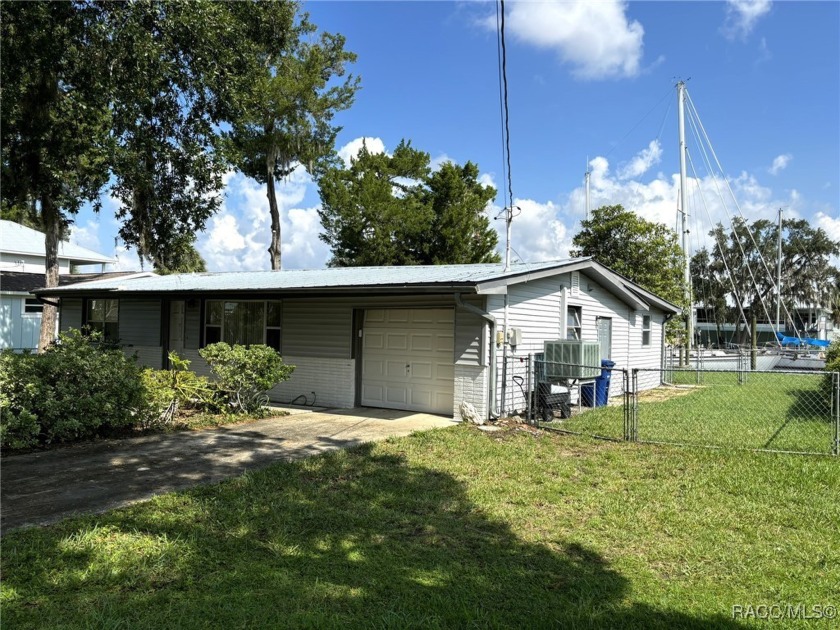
x: 635, y: 415
x: 529, y: 394
x: 626, y: 385
x: 835, y: 410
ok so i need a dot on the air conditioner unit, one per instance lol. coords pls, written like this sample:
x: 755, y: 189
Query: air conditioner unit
x: 572, y: 359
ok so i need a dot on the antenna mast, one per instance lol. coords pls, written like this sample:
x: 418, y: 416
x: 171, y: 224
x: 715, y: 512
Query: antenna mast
x: 586, y: 187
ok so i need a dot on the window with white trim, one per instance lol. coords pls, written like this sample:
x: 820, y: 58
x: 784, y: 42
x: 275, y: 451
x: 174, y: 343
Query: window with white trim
x: 573, y: 322
x: 103, y: 316
x: 32, y: 306
x: 243, y: 322
x: 645, y: 330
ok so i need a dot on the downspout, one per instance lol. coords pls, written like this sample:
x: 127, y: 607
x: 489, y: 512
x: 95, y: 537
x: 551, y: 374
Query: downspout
x: 492, y: 407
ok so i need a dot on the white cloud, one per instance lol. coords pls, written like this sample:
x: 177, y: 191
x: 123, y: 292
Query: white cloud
x: 86, y: 235
x: 352, y: 148
x: 742, y: 16
x: 780, y: 163
x: 831, y: 225
x: 642, y: 161
x: 595, y: 38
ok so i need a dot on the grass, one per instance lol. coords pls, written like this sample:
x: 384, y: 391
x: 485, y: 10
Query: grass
x: 450, y: 528
x: 786, y: 412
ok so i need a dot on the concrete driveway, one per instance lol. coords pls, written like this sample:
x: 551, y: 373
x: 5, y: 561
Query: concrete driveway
x: 44, y: 487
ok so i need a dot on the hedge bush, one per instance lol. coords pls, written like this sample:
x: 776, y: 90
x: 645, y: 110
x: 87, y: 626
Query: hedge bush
x: 169, y: 391
x: 246, y: 373
x: 76, y: 389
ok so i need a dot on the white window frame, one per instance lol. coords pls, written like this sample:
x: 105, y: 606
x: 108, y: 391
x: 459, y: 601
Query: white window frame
x: 646, y: 330
x: 221, y: 327
x: 33, y: 302
x: 574, y: 323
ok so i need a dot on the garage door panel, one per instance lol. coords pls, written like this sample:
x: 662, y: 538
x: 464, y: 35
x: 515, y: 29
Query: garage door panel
x: 374, y: 368
x: 421, y: 369
x: 407, y: 359
x: 421, y: 341
x: 396, y: 395
x: 375, y: 341
x: 396, y: 370
x: 445, y: 372
x: 396, y: 341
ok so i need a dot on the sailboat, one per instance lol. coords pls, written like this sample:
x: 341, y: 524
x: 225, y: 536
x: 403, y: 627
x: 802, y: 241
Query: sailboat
x: 700, y: 358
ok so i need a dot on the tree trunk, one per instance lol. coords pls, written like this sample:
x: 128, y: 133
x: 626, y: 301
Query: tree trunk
x: 274, y: 248
x: 52, y: 233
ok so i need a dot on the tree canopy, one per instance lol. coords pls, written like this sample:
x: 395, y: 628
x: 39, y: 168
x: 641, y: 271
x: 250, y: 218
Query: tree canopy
x: 643, y: 251
x: 135, y: 94
x: 394, y: 210
x: 738, y: 275
x: 288, y: 113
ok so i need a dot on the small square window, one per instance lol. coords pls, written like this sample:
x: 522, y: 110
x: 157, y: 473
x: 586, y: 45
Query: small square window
x: 33, y: 306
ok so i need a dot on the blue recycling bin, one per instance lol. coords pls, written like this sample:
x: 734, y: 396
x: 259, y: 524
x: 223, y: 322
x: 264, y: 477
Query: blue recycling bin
x: 596, y: 394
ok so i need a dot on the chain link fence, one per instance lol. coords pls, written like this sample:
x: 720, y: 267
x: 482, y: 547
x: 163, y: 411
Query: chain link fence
x: 797, y: 412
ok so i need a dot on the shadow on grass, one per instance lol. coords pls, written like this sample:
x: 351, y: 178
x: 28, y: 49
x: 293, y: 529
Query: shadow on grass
x: 347, y: 539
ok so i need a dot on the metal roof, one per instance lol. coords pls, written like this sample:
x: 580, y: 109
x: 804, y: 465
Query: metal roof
x: 486, y: 278
x: 19, y: 239
x: 333, y: 278
x: 24, y: 282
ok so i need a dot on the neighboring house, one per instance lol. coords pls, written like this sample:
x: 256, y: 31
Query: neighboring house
x: 413, y: 338
x: 22, y: 269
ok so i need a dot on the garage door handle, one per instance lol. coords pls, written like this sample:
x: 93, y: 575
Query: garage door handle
x: 407, y: 369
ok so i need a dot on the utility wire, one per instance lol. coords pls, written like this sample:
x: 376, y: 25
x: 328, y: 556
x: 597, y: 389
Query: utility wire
x: 507, y: 113
x: 501, y: 108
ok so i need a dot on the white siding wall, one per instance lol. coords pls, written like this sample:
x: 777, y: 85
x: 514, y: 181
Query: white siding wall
x: 471, y: 385
x: 332, y: 380
x: 538, y: 309
x: 31, y: 264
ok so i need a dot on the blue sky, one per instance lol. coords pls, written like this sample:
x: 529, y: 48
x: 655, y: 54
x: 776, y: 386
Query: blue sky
x: 591, y: 85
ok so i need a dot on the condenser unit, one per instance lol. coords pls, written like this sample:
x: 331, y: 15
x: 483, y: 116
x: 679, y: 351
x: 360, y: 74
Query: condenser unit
x: 572, y: 359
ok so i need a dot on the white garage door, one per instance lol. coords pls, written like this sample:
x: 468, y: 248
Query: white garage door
x: 407, y: 359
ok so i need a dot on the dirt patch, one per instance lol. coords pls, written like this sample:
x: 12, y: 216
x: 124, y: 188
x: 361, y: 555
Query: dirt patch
x: 661, y: 394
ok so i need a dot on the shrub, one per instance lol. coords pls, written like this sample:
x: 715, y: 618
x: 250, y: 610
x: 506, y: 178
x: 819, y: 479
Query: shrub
x: 246, y: 373
x: 75, y: 389
x: 168, y: 391
x: 832, y: 364
x: 19, y: 387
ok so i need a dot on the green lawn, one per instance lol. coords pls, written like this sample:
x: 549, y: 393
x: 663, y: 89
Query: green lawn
x: 450, y: 528
x: 786, y: 412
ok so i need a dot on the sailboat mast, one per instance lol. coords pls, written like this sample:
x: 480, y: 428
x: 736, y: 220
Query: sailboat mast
x: 779, y: 276
x: 684, y: 214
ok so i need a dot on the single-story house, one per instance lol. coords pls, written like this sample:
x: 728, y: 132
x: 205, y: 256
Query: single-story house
x: 424, y: 338
x: 22, y: 269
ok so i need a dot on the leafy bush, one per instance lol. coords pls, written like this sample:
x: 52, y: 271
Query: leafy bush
x: 832, y: 364
x: 75, y: 389
x: 168, y: 391
x: 19, y: 388
x: 246, y: 373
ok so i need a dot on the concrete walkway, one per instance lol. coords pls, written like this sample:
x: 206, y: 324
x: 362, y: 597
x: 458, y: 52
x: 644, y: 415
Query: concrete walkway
x: 44, y: 487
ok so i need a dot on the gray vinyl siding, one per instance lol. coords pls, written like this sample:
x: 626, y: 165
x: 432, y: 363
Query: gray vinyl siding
x: 317, y: 329
x: 192, y: 324
x: 71, y: 313
x: 470, y: 335
x: 140, y: 322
